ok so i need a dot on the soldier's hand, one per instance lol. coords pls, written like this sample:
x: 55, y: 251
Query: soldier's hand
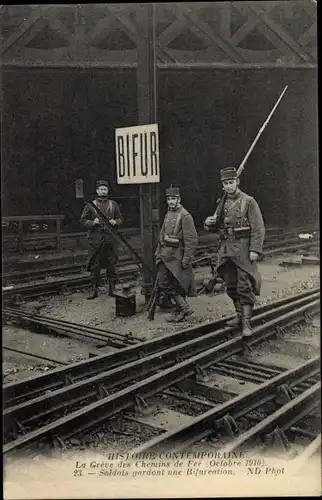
x: 112, y: 222
x: 210, y: 220
x: 96, y: 221
x: 253, y: 256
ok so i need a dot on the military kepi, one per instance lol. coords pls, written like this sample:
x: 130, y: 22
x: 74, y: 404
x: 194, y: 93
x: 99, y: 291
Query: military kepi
x: 228, y: 173
x: 172, y: 191
x: 101, y: 183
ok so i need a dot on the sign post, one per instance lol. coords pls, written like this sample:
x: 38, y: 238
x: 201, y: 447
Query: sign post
x: 137, y: 154
x: 137, y: 162
x: 147, y: 114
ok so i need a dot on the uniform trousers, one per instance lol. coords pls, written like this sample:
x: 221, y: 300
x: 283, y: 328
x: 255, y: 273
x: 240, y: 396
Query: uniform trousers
x: 238, y: 282
x: 168, y: 283
x: 104, y: 257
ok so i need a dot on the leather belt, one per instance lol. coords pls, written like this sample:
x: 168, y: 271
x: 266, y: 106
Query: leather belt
x: 229, y: 233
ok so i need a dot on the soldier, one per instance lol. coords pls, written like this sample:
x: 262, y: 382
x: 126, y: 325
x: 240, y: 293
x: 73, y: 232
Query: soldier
x: 240, y: 246
x: 177, y: 245
x: 104, y: 247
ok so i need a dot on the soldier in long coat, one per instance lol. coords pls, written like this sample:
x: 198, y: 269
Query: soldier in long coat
x: 241, y: 245
x: 103, y: 253
x: 174, y: 254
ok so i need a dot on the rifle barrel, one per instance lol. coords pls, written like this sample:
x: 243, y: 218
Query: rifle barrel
x: 242, y: 165
x: 119, y: 237
x: 261, y: 130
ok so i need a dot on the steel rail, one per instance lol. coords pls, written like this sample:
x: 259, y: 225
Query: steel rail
x: 44, y: 273
x: 111, y: 405
x: 283, y: 418
x: 248, y: 374
x: 62, y: 284
x: 43, y: 358
x: 64, y: 376
x: 268, y: 251
x: 66, y: 326
x: 43, y: 406
x: 300, y: 246
x: 33, y: 274
x: 206, y: 424
x: 53, y: 287
x: 124, y: 269
x: 42, y: 238
x: 303, y: 262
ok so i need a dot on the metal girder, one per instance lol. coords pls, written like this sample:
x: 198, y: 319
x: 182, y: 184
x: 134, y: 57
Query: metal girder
x: 211, y: 37
x: 308, y: 35
x: 21, y: 30
x: 286, y: 39
x: 123, y: 22
x: 222, y: 47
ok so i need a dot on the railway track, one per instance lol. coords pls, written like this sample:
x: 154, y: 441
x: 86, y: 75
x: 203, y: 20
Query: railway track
x: 128, y: 272
x: 204, y: 253
x: 35, y: 356
x: 100, y: 338
x: 14, y: 392
x: 111, y: 384
x: 34, y: 242
x: 127, y: 267
x: 222, y: 420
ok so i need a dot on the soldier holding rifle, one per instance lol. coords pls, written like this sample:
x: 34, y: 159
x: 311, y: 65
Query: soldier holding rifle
x: 174, y: 254
x: 103, y: 253
x: 239, y: 222
x: 241, y: 244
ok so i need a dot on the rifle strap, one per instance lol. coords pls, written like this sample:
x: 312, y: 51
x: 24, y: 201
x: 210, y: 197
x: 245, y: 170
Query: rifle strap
x: 244, y: 204
x: 109, y: 208
x: 177, y: 224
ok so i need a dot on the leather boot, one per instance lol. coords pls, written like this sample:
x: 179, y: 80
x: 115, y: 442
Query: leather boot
x: 165, y: 302
x: 247, y: 310
x: 173, y: 316
x: 183, y: 307
x: 237, y: 320
x: 94, y: 292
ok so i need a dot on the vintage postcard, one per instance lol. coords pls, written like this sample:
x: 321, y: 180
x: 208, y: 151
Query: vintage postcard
x: 160, y: 250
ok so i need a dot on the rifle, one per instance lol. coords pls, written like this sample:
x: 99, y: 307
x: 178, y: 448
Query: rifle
x: 219, y: 213
x: 155, y: 295
x: 118, y: 236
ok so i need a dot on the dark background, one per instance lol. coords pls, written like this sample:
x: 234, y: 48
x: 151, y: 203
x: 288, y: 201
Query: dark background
x: 58, y: 125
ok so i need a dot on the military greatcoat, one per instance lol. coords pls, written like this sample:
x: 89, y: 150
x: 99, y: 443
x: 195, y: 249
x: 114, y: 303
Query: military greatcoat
x: 174, y: 257
x: 103, y: 252
x: 240, y: 211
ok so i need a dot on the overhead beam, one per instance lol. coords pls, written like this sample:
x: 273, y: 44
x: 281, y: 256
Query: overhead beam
x: 210, y: 36
x: 21, y: 30
x: 161, y: 65
x: 147, y: 105
x: 308, y: 35
x: 79, y: 49
x: 287, y: 40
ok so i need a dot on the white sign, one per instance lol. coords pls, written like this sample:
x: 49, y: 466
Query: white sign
x: 137, y: 154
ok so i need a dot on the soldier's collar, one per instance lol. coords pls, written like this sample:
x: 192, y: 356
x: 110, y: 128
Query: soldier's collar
x: 174, y: 209
x: 102, y: 198
x: 235, y: 195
